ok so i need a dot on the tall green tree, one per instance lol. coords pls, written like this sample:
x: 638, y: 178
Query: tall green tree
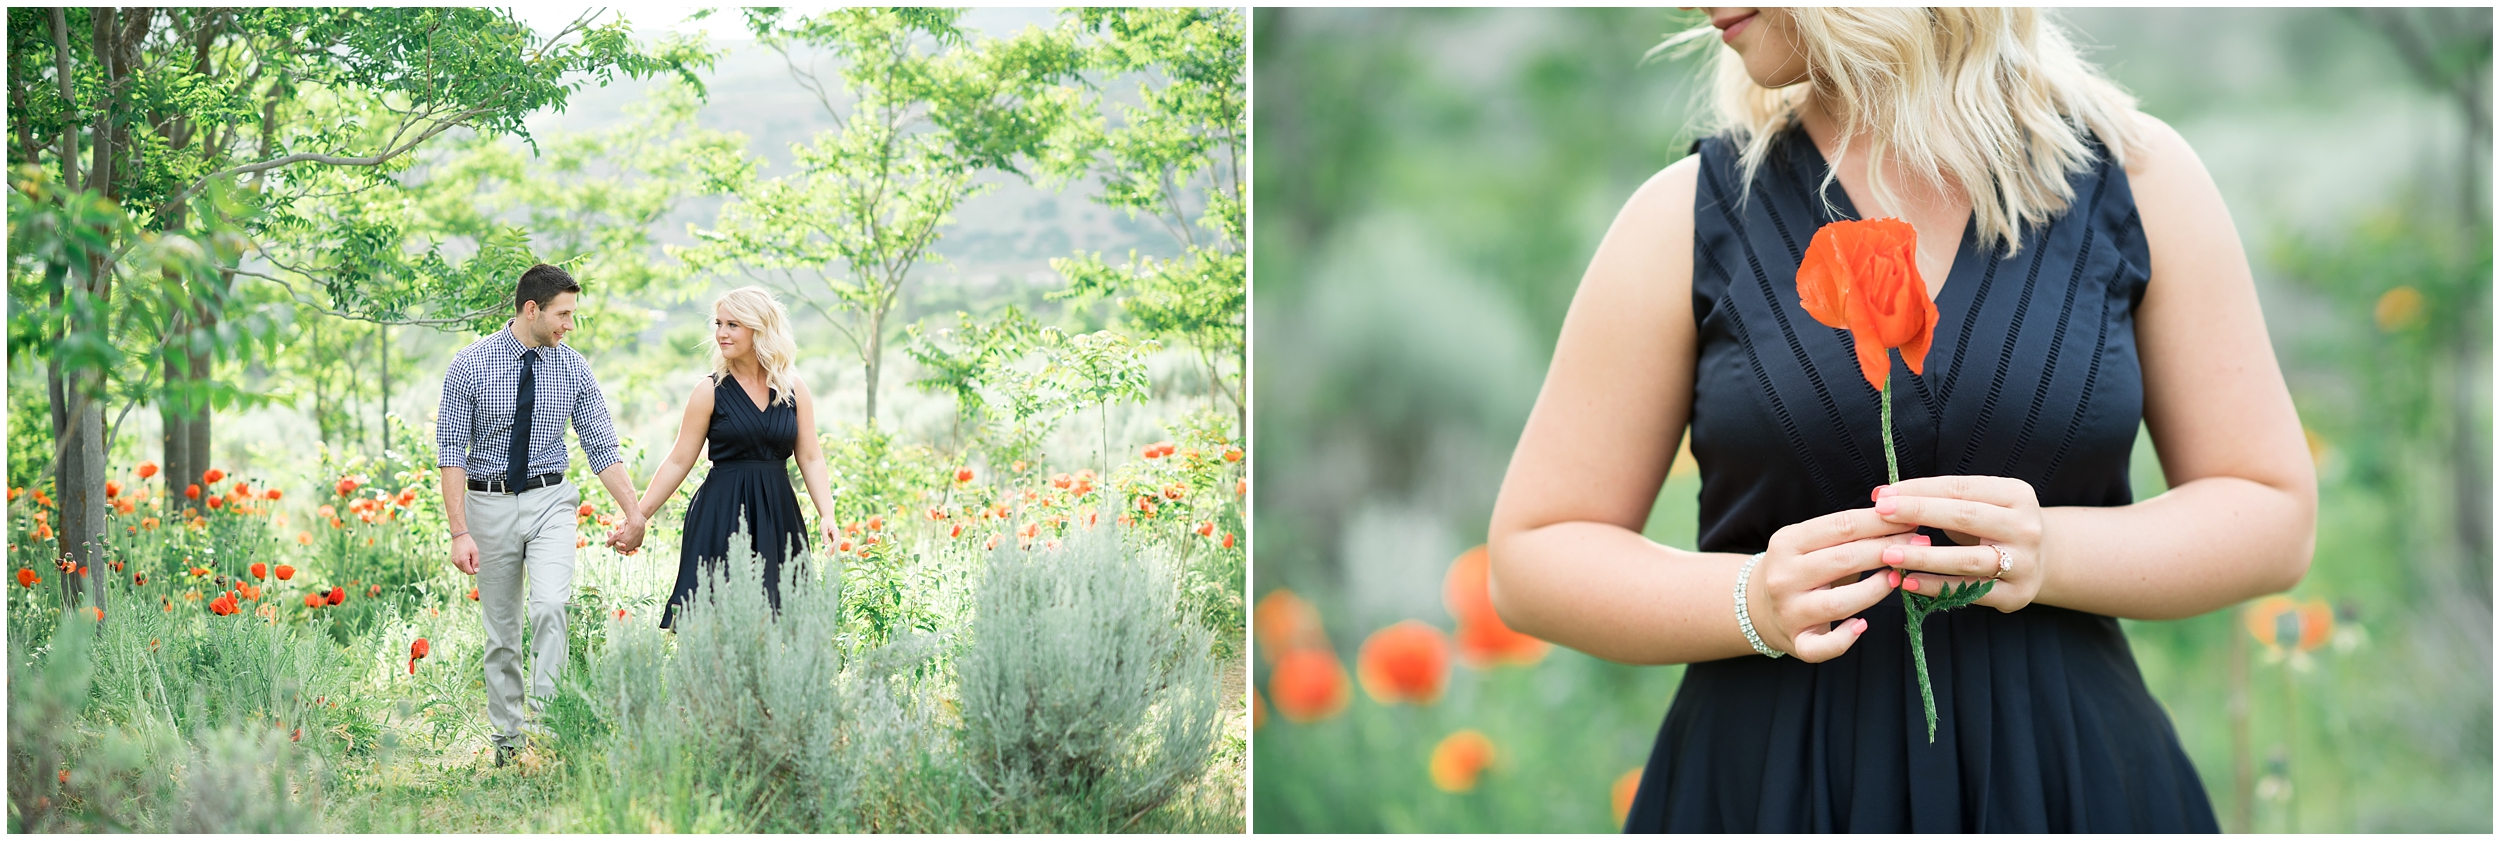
x: 1175, y: 156
x: 922, y: 114
x: 128, y: 117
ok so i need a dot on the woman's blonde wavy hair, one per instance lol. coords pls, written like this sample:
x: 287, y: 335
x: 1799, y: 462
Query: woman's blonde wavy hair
x: 769, y: 325
x: 1996, y: 101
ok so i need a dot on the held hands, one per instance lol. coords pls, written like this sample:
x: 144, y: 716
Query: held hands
x: 1984, y: 514
x: 626, y: 537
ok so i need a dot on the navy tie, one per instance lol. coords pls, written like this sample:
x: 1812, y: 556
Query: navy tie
x: 521, y: 405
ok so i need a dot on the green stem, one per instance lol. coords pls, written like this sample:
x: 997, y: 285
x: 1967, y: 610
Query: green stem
x: 1892, y: 463
x: 1911, y: 604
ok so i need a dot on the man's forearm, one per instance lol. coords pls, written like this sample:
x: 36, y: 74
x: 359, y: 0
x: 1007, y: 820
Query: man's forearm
x: 621, y: 486
x: 456, y: 491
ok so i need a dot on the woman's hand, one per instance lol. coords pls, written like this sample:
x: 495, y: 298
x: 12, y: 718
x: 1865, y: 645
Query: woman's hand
x: 1984, y: 513
x: 831, y: 532
x: 1808, y: 580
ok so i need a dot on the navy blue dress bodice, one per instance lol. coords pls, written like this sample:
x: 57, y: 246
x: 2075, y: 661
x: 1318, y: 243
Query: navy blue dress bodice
x: 748, y: 487
x: 2044, y: 721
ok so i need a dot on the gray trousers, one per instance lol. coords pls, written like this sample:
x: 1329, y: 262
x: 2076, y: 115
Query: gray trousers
x: 523, y: 540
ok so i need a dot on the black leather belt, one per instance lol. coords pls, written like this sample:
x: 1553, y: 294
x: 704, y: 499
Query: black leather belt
x: 500, y: 486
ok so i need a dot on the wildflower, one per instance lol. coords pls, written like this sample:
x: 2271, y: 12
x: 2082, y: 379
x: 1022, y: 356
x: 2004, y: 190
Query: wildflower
x: 43, y: 532
x: 147, y: 469
x: 1284, y: 623
x: 1625, y: 787
x: 41, y: 499
x: 1205, y: 529
x: 285, y: 572
x: 1175, y: 490
x: 216, y: 502
x: 27, y: 578
x: 260, y: 571
x: 213, y: 476
x: 14, y: 492
x: 876, y: 523
x: 1460, y: 759
x: 326, y: 511
x: 148, y: 523
x: 139, y: 579
x: 620, y: 614
x: 416, y: 652
x: 304, y: 537
x: 1154, y: 451
x: 956, y: 531
x: 991, y: 546
x: 242, y: 488
x: 1241, y: 488
x: 347, y: 485
x: 1407, y: 662
x: 1309, y: 685
x: 1483, y: 640
x: 112, y: 489
x: 314, y: 600
x: 1228, y: 540
x: 250, y: 592
x: 1062, y: 481
x: 1258, y: 711
x: 266, y: 611
x: 299, y: 735
x: 585, y: 510
x: 1232, y: 454
x: 273, y: 495
x: 375, y: 592
x: 962, y: 475
x: 338, y: 595
x: 472, y: 594
x: 845, y: 547
x: 97, y: 612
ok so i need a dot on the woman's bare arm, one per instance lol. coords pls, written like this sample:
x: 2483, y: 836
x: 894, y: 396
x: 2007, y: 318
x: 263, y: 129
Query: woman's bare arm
x: 1569, y: 563
x: 2240, y: 517
x: 811, y: 455
x: 691, y: 432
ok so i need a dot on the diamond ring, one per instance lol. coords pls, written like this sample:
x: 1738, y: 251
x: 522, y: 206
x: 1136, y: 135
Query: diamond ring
x: 2005, y: 560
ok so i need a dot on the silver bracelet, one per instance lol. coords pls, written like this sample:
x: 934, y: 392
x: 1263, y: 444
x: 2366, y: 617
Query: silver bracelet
x: 1744, y: 616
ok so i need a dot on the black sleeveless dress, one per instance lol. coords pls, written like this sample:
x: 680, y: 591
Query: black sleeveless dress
x: 750, y: 450
x: 2043, y: 721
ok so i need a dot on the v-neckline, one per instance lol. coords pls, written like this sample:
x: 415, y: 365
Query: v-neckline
x: 750, y: 398
x: 1848, y: 207
x: 1962, y: 275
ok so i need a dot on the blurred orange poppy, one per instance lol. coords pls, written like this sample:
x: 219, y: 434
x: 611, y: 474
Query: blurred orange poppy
x: 260, y: 570
x: 1284, y: 622
x: 1404, y: 663
x: 213, y: 476
x: 1309, y: 685
x: 1483, y: 641
x: 1625, y: 787
x: 147, y: 469
x: 285, y: 572
x: 1258, y: 711
x: 1460, y: 760
x: 112, y: 489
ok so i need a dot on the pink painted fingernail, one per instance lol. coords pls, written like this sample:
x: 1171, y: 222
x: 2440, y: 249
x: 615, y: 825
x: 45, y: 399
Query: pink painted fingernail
x: 1892, y: 577
x: 1921, y: 540
x: 1884, y: 491
x: 1910, y: 585
x: 1893, y: 555
x: 1886, y: 505
x: 1877, y: 493
x: 1861, y: 627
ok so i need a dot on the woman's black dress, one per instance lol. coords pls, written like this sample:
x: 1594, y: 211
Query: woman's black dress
x: 2044, y: 723
x: 750, y: 450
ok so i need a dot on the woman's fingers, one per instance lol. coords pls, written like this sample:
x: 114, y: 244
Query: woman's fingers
x: 1975, y: 561
x: 1820, y: 643
x: 1999, y: 491
x: 1986, y: 520
x: 1834, y: 529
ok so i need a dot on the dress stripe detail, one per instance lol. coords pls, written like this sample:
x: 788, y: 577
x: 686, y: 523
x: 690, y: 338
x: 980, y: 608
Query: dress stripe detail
x: 2065, y: 311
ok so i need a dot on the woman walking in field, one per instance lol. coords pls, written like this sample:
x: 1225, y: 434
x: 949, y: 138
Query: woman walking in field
x: 751, y: 414
x: 2085, y: 278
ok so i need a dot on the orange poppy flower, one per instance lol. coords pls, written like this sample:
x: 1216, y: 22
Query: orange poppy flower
x: 956, y: 531
x: 338, y: 595
x: 213, y: 476
x: 1863, y: 277
x: 147, y: 469
x: 191, y: 492
x: 1153, y: 451
x: 1404, y: 663
x: 148, y: 523
x: 1460, y: 760
x: 1284, y: 623
x: 1205, y: 529
x: 1309, y: 685
x: 374, y: 592
x: 346, y: 486
x: 314, y: 600
x: 963, y: 474
x: 28, y: 579
x: 1483, y: 641
x: 285, y: 572
x: 273, y: 495
x: 1228, y: 540
x: 1626, y: 786
x: 472, y: 594
x: 1258, y: 711
x: 242, y: 488
x: 43, y: 532
x: 112, y: 489
x: 876, y: 524
x: 260, y: 571
x: 416, y: 651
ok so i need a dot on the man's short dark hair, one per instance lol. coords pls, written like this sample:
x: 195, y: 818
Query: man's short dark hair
x: 541, y: 284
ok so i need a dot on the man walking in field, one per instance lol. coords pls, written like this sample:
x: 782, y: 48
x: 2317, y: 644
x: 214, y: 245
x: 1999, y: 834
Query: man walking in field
x: 500, y: 445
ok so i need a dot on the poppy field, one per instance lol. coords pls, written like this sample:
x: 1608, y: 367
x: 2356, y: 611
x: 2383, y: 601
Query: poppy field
x: 1007, y: 244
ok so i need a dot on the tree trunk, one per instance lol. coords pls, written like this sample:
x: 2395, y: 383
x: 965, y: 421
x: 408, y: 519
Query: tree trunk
x: 78, y: 485
x: 187, y: 421
x: 875, y: 355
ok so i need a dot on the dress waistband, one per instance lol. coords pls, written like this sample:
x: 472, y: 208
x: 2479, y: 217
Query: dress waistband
x: 748, y: 462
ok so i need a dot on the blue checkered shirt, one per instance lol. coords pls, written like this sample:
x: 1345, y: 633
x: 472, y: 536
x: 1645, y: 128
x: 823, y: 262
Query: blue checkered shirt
x: 473, y: 431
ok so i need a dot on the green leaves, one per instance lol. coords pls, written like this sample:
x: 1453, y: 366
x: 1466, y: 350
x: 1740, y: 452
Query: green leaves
x: 1919, y: 608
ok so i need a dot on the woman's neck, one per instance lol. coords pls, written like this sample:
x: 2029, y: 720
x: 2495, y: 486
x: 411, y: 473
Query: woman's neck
x: 746, y: 368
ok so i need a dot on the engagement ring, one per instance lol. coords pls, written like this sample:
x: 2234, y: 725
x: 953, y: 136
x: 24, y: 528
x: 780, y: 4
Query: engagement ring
x: 2005, y: 560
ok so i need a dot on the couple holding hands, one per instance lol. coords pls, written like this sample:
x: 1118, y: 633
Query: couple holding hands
x: 499, y: 439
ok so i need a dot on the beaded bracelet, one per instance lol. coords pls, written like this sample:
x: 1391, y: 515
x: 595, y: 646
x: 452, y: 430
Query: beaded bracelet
x: 1744, y: 617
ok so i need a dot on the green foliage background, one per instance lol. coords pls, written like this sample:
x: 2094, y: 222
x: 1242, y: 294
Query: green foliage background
x: 1431, y: 184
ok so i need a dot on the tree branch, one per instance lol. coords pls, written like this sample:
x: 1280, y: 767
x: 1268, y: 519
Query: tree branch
x: 317, y: 306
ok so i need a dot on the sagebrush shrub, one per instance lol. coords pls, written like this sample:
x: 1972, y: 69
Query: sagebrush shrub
x: 1084, y: 676
x: 757, y: 690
